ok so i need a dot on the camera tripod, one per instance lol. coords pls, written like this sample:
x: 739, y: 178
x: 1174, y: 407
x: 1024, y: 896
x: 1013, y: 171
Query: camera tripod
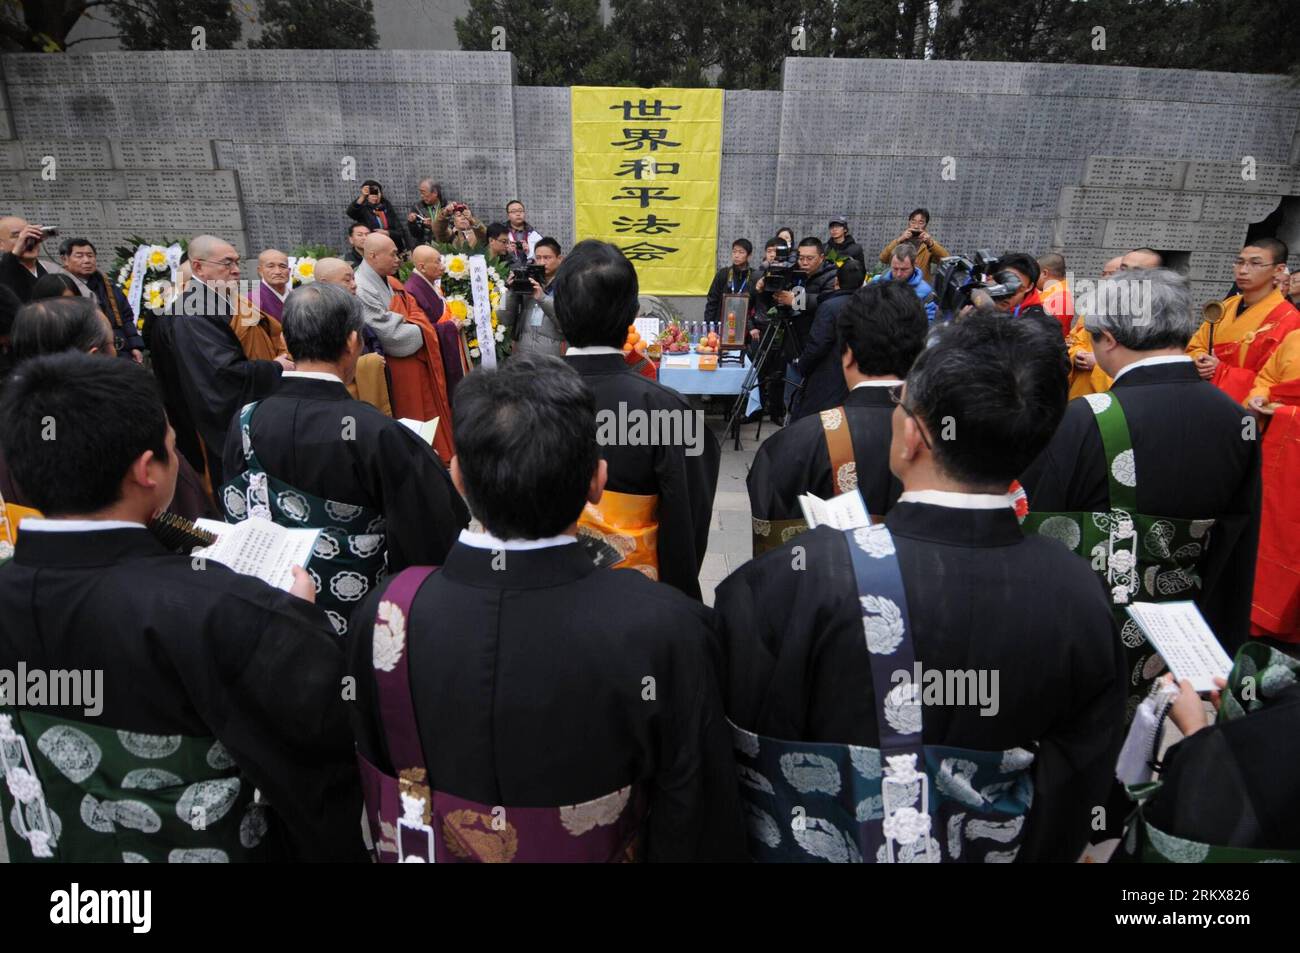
x: 780, y: 324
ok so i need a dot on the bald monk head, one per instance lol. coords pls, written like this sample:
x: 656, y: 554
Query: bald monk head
x: 273, y: 268
x: 381, y: 254
x: 1051, y: 267
x: 336, y: 271
x: 1141, y: 258
x: 427, y: 261
x: 214, y: 260
x: 1112, y: 266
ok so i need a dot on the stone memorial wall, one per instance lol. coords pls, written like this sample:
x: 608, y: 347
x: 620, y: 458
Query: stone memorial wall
x: 269, y: 147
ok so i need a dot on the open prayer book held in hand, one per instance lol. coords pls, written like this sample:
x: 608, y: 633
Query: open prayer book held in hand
x: 1184, y: 640
x: 425, y: 429
x: 845, y: 511
x: 258, y: 547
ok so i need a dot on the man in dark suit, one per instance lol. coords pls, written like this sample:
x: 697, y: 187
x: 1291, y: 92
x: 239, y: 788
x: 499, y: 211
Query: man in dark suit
x: 520, y: 639
x: 818, y: 362
x: 199, y: 355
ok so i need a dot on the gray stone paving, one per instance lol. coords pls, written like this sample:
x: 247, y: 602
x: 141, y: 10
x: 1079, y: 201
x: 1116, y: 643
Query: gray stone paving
x: 729, y: 534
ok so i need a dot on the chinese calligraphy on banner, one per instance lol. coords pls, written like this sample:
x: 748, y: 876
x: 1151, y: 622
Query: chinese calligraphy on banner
x: 646, y: 166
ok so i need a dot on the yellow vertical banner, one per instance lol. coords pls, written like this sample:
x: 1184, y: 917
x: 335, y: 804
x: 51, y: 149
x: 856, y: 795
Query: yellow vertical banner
x: 646, y: 167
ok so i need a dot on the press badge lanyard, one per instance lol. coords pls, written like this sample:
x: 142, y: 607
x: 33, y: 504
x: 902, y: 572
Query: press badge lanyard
x: 731, y: 282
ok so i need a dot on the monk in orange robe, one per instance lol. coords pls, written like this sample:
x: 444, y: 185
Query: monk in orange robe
x: 1232, y: 352
x: 260, y: 335
x: 417, y: 380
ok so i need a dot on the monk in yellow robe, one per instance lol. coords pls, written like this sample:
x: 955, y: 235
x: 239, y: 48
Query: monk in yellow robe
x: 1232, y: 352
x: 1085, y: 376
x: 1282, y: 366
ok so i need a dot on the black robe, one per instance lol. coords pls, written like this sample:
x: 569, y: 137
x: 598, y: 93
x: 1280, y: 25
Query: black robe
x: 15, y: 276
x: 529, y: 690
x: 795, y: 460
x: 685, y: 484
x: 980, y: 595
x: 209, y: 364
x: 1236, y: 783
x: 298, y: 434
x: 196, y: 653
x: 1193, y: 461
x: 160, y: 339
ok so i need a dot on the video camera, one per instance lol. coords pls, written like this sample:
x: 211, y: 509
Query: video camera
x: 522, y: 277
x: 782, y: 274
x: 958, y: 281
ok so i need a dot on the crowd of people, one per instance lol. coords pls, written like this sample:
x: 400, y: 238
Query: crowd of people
x: 498, y: 650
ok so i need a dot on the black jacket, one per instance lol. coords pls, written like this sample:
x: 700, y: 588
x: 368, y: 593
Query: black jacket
x: 819, y: 361
x: 365, y: 214
x: 126, y: 331
x: 849, y: 249
x: 421, y: 232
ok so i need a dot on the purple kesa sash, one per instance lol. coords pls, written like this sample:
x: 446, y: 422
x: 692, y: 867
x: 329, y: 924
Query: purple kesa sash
x: 411, y: 822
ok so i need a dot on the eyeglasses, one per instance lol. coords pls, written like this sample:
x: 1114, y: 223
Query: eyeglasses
x: 223, y: 262
x: 896, y: 395
x: 1254, y: 263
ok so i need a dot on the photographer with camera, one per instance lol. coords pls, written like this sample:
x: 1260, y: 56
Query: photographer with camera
x: 789, y: 295
x: 372, y: 210
x: 530, y: 305
x: 456, y: 225
x: 1026, y: 302
x: 928, y: 251
x: 419, y: 220
x: 20, y: 264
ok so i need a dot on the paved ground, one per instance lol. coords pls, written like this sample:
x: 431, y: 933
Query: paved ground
x: 729, y: 534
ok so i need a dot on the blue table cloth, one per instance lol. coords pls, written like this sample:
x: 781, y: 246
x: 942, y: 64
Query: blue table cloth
x: 727, y: 379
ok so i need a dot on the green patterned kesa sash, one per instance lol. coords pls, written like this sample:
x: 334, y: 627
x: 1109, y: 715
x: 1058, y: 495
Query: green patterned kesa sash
x: 351, y: 554
x: 76, y: 792
x: 1139, y: 558
x: 900, y: 802
x: 1259, y: 674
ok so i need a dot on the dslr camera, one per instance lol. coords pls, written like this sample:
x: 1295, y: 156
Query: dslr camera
x: 958, y: 281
